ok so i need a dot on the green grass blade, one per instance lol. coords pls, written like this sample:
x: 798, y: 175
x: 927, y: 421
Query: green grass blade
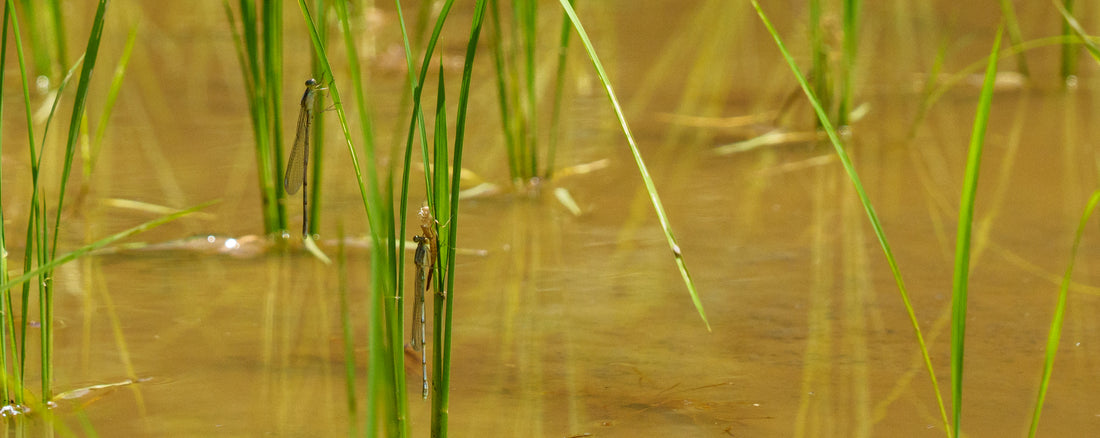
x: 1055, y: 335
x: 654, y: 198
x: 271, y: 35
x: 962, y: 243
x: 112, y: 96
x: 317, y: 149
x: 46, y: 304
x: 68, y: 257
x: 34, y: 216
x: 385, y: 378
x: 819, y: 53
x: 934, y: 89
x: 418, y: 118
x: 851, y: 46
x: 373, y: 202
x: 526, y: 11
x: 1069, y: 51
x: 74, y: 124
x: 442, y: 396
x: 406, y: 169
x: 1071, y: 23
x: 507, y: 122
x: 438, y: 174
x: 559, y: 91
x: 431, y: 175
x: 846, y: 162
x: 417, y: 82
x: 58, y: 25
x: 7, y: 332
x: 41, y: 52
x: 440, y: 154
x: 1015, y: 36
x: 440, y: 165
x: 246, y: 44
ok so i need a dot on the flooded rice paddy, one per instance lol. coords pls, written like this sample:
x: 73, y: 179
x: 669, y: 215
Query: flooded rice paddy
x: 579, y: 324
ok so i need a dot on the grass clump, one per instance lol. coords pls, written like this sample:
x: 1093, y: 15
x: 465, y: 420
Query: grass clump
x: 259, y: 45
x: 42, y: 245
x: 387, y: 411
x: 514, y: 43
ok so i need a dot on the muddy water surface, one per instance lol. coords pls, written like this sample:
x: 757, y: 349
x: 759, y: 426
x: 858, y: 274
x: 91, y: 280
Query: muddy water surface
x: 571, y: 325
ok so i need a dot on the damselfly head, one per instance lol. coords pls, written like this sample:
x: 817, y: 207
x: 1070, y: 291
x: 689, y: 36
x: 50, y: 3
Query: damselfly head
x: 311, y: 82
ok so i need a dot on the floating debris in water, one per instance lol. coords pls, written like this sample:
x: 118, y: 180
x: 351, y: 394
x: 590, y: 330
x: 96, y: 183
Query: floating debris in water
x: 12, y: 410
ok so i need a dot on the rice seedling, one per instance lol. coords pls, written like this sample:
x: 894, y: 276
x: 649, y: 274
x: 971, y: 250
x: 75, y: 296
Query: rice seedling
x: 848, y: 63
x: 91, y: 149
x: 960, y: 283
x: 834, y: 84
x: 820, y: 70
x: 41, y: 255
x: 42, y: 252
x: 388, y: 410
x: 259, y: 45
x: 1069, y: 51
x: 46, y: 27
x: 1055, y: 333
x: 318, y: 141
x: 1082, y: 37
x: 515, y: 58
x: 442, y: 199
x: 1015, y: 36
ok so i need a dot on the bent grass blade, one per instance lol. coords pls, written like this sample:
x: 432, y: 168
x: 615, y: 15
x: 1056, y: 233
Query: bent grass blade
x: 58, y: 261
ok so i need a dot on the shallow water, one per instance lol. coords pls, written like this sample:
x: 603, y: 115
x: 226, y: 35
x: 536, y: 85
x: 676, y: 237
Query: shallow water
x: 572, y: 325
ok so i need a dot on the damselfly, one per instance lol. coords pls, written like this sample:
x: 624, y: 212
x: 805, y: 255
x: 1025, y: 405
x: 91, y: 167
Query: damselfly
x: 423, y: 260
x: 299, y: 154
x: 425, y: 267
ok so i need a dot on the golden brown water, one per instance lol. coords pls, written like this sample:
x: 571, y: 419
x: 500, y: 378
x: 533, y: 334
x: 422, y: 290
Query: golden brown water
x: 574, y: 325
